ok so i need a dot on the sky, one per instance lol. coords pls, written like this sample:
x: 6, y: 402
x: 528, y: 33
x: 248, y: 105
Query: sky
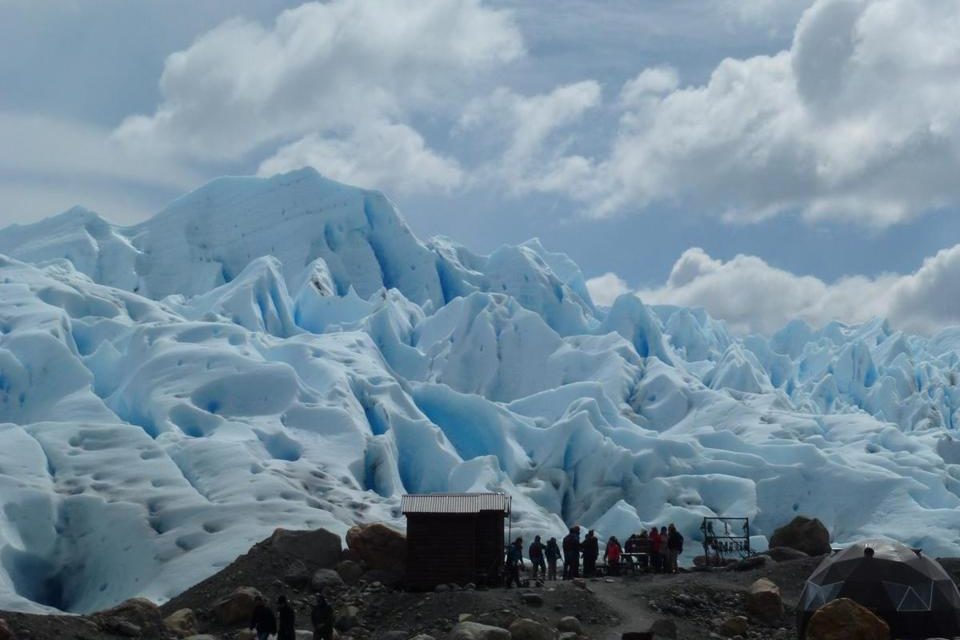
x: 764, y: 159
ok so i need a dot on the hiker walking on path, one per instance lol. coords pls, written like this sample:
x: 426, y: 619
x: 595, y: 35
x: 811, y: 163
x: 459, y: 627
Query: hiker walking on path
x: 514, y: 562
x: 553, y: 554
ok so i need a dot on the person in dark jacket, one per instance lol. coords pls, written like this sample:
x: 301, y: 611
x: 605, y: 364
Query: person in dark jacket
x: 571, y: 554
x: 553, y: 554
x: 591, y: 551
x: 674, y: 548
x: 321, y: 616
x: 286, y: 620
x: 536, y: 559
x: 514, y: 562
x: 263, y: 621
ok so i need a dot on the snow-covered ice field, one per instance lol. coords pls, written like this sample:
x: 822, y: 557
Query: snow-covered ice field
x: 284, y: 352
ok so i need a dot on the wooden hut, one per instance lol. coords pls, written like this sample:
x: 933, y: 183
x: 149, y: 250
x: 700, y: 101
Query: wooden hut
x: 455, y: 538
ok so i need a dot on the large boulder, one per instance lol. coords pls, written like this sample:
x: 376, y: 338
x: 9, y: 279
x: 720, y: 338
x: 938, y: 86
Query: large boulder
x: 803, y: 534
x: 130, y: 618
x: 236, y: 608
x: 139, y: 611
x: 318, y: 548
x: 477, y: 631
x: 181, y: 623
x: 763, y: 601
x: 378, y: 546
x: 844, y: 619
x: 526, y: 629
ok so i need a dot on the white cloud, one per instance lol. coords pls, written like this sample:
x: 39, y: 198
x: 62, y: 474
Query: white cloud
x: 607, y: 288
x: 40, y: 144
x: 649, y: 83
x: 533, y: 159
x: 50, y: 164
x: 377, y: 156
x: 856, y: 121
x: 319, y: 68
x: 753, y: 296
x: 771, y: 14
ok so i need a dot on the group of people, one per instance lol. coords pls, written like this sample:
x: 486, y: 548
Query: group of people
x: 265, y: 623
x: 662, y: 546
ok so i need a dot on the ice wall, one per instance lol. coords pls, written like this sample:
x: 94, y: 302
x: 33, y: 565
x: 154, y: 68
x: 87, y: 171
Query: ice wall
x: 284, y: 352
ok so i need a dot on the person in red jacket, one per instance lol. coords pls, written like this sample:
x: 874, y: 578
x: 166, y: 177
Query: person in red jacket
x: 655, y: 542
x: 612, y: 555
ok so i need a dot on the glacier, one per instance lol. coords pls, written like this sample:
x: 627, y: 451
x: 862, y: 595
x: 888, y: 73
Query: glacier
x: 285, y: 352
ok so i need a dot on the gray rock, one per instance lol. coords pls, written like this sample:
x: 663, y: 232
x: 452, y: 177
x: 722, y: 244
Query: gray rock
x: 182, y: 622
x: 531, y: 599
x: 735, y: 626
x: 785, y: 554
x: 350, y: 572
x: 319, y: 548
x: 122, y: 628
x: 477, y: 631
x: 664, y: 628
x: 571, y: 624
x: 526, y: 629
x: 297, y: 574
x: 753, y: 562
x: 325, y: 579
x: 763, y: 601
x: 348, y: 618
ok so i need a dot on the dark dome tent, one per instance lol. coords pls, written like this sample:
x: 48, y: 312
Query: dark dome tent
x: 910, y: 591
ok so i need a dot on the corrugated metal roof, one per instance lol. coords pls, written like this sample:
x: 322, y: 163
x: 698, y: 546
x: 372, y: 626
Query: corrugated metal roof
x: 455, y: 503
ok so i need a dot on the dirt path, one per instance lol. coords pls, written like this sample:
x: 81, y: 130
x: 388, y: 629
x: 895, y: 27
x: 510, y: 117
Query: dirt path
x: 626, y: 601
